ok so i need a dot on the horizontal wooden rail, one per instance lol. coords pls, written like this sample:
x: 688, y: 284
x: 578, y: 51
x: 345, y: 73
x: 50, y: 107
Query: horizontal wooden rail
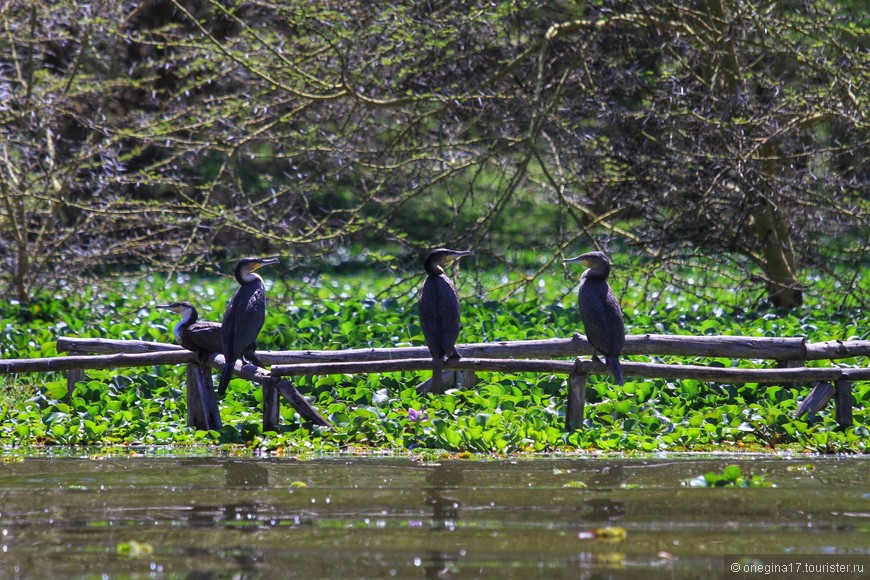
x: 837, y: 349
x: 644, y: 344
x: 112, y: 346
x: 520, y: 356
x: 161, y: 356
x: 629, y: 369
x: 177, y: 355
x: 98, y: 361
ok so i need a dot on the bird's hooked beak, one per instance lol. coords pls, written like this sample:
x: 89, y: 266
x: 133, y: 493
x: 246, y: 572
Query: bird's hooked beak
x: 171, y: 307
x: 582, y: 259
x: 263, y: 262
x: 589, y: 259
x: 453, y: 256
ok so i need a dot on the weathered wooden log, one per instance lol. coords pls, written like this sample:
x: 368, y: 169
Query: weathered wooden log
x: 753, y: 347
x: 449, y: 380
x: 837, y: 349
x: 271, y: 407
x: 646, y: 370
x: 843, y: 402
x: 576, y: 405
x: 298, y: 402
x: 202, y: 408
x: 112, y: 346
x: 102, y: 361
x: 72, y: 377
x: 261, y: 376
x: 646, y: 344
x: 420, y: 364
x: 789, y: 352
x: 163, y: 357
x: 816, y: 400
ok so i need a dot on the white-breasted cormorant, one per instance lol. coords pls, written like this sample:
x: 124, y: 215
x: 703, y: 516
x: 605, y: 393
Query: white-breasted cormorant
x: 202, y: 337
x: 244, y: 318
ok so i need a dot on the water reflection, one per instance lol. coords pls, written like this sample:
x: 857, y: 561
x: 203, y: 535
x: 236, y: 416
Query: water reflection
x: 441, y: 480
x: 605, y: 510
x: 359, y: 517
x: 602, y: 511
x: 246, y: 474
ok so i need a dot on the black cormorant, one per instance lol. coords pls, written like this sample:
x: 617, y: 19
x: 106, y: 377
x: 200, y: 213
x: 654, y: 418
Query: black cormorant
x: 439, y: 310
x: 244, y: 318
x: 193, y: 334
x: 600, y: 311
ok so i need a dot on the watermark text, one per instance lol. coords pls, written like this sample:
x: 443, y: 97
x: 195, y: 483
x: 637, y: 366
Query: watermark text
x: 840, y: 566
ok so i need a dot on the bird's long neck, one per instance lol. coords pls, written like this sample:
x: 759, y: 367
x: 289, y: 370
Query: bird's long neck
x: 433, y: 269
x: 598, y: 273
x: 188, y: 317
x: 248, y: 277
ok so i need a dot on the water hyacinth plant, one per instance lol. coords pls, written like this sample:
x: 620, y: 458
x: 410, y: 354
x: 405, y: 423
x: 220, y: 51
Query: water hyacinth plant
x: 502, y: 413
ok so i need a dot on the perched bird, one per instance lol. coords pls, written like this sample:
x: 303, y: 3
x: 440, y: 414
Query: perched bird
x: 439, y: 310
x: 193, y: 334
x: 203, y: 338
x: 244, y: 318
x: 600, y: 311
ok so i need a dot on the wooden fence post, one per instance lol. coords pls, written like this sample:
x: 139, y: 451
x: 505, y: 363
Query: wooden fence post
x: 793, y: 363
x: 271, y: 406
x: 576, y: 399
x: 816, y: 400
x: 73, y: 376
x: 202, y: 409
x: 466, y: 379
x: 843, y: 403
x: 453, y: 378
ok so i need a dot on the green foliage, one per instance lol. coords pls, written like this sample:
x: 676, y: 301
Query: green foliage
x: 504, y: 413
x: 731, y: 476
x: 134, y: 549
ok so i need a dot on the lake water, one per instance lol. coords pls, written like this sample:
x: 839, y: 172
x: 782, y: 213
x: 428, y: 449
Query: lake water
x: 153, y: 514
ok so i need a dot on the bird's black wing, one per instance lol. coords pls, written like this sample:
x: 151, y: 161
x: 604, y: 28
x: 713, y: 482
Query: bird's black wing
x: 243, y: 319
x: 615, y: 324
x: 439, y: 315
x: 592, y: 300
x: 202, y: 337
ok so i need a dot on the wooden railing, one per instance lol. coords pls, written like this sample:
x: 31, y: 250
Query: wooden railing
x: 536, y: 356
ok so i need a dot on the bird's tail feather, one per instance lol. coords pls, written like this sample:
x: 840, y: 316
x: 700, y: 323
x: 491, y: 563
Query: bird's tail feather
x: 226, y: 375
x: 613, y: 361
x: 437, y: 365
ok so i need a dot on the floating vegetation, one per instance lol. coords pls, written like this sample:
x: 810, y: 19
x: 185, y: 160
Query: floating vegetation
x: 731, y: 476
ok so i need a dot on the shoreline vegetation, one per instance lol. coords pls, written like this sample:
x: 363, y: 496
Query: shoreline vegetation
x: 505, y: 413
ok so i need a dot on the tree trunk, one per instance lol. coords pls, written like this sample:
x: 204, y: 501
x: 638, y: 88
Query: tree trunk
x: 783, y: 289
x: 726, y: 73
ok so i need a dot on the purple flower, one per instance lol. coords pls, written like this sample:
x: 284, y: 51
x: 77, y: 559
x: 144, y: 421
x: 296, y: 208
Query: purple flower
x: 416, y: 416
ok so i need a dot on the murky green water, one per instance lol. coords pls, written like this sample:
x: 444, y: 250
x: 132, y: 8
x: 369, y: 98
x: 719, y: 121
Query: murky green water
x: 395, y: 517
